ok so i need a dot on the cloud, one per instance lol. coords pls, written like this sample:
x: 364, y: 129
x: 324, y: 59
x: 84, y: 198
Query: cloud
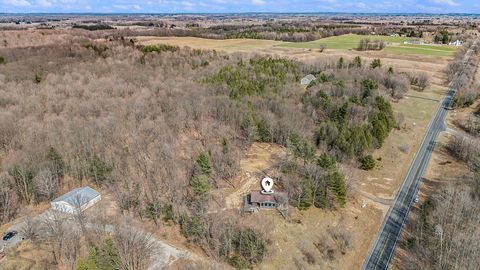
x: 361, y: 5
x: 17, y: 3
x: 44, y: 3
x: 127, y: 7
x: 445, y: 2
x: 258, y: 2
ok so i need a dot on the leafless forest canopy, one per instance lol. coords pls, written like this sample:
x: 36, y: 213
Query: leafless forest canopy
x: 159, y: 127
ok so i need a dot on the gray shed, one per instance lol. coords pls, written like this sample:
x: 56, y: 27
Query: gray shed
x: 78, y: 199
x: 307, y: 79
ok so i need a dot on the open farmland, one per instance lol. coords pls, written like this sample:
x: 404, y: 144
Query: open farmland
x: 446, y: 51
x: 394, y: 45
x: 344, y: 42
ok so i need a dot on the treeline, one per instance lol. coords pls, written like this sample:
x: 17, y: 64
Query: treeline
x: 266, y: 31
x: 467, y: 86
x: 367, y: 44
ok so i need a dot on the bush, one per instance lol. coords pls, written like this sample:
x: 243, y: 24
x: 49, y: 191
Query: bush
x: 2, y: 60
x: 376, y: 63
x: 367, y: 162
x: 158, y: 48
x: 38, y: 78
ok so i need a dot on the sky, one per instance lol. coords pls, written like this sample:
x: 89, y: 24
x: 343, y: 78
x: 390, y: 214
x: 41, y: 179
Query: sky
x: 228, y: 6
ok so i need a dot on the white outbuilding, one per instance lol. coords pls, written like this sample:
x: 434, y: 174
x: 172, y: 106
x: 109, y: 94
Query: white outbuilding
x: 76, y: 200
x: 307, y: 79
x: 456, y: 43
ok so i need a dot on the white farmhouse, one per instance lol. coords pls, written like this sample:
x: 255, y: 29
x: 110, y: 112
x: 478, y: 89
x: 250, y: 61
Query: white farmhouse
x: 456, y: 43
x: 76, y: 200
x: 307, y: 79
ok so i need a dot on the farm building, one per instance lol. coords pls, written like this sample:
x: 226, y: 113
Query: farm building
x: 307, y: 79
x: 256, y: 201
x: 456, y: 43
x: 77, y: 199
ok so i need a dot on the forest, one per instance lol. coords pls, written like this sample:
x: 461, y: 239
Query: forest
x: 159, y: 127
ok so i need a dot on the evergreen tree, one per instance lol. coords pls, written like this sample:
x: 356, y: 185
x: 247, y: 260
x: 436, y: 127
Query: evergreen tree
x: 306, y: 197
x: 367, y: 162
x: 200, y: 185
x: 336, y: 183
x: 203, y: 164
x: 58, y: 165
x: 321, y: 200
x: 98, y: 169
x: 105, y: 258
x: 326, y: 161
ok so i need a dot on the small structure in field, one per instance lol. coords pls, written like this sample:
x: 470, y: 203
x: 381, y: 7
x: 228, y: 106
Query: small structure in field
x: 256, y: 201
x: 76, y: 200
x: 456, y: 43
x: 307, y: 79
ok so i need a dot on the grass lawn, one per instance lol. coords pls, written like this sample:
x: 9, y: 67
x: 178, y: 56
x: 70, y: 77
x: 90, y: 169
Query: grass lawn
x: 350, y: 41
x: 422, y: 49
x: 345, y: 42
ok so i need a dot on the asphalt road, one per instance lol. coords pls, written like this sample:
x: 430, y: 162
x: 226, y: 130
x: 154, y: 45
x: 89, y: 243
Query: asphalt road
x: 383, y: 248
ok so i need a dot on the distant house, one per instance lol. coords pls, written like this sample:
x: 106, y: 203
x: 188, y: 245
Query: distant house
x: 414, y: 42
x: 256, y: 201
x: 456, y: 43
x: 307, y: 79
x: 76, y: 200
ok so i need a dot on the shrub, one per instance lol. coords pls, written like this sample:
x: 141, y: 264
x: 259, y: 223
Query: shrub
x: 376, y: 63
x: 2, y: 60
x: 38, y: 78
x: 159, y: 48
x: 367, y: 162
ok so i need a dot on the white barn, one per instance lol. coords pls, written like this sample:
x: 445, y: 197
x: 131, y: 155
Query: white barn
x: 77, y: 199
x: 456, y: 43
x: 307, y: 79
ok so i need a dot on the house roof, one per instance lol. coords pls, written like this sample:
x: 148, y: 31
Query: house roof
x: 77, y: 196
x: 307, y: 79
x: 277, y: 197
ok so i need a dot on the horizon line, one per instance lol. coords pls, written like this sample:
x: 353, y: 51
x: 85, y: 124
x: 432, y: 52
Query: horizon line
x: 231, y: 13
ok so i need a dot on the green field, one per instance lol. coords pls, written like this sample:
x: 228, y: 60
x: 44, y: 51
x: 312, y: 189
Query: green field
x: 422, y: 49
x: 394, y: 45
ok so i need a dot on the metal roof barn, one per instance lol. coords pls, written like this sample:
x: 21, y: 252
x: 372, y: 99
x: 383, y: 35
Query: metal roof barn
x: 307, y: 79
x: 76, y: 200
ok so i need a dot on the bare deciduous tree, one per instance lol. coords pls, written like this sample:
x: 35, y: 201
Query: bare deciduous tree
x: 135, y: 248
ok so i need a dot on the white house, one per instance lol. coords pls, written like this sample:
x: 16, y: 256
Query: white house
x: 307, y: 79
x: 456, y: 43
x: 77, y: 199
